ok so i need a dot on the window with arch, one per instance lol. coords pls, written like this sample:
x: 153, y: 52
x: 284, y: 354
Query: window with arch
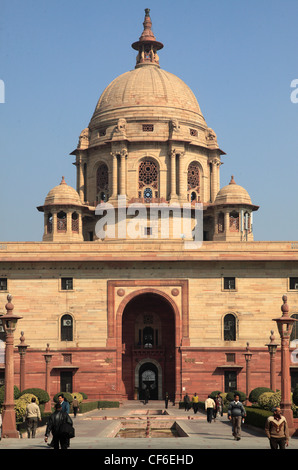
x: 49, y: 223
x: 66, y: 328
x: 221, y: 222
x: 102, y: 182
x: 294, y: 334
x: 193, y: 181
x: 229, y: 327
x: 75, y: 222
x: 234, y: 221
x: 61, y: 221
x: 148, y: 180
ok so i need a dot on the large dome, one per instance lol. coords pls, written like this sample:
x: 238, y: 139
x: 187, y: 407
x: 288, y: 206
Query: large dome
x: 147, y: 91
x: 232, y: 193
x: 63, y: 194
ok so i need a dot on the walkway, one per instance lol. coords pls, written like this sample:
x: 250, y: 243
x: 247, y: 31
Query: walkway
x: 96, y: 430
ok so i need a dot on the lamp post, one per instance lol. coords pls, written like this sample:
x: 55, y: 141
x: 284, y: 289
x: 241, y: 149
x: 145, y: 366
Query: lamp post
x: 248, y: 356
x: 285, y: 325
x: 272, y: 347
x: 48, y: 357
x: 9, y: 322
x: 22, y: 347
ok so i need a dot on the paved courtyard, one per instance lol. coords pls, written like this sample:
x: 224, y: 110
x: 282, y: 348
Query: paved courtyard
x: 97, y: 430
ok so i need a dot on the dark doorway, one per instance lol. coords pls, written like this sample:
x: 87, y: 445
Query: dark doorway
x: 148, y: 332
x: 148, y: 379
x: 66, y: 381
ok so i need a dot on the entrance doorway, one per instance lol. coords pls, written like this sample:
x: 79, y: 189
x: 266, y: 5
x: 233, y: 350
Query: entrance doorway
x: 148, y: 347
x: 148, y: 379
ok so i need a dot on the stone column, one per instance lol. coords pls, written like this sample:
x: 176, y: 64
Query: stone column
x: 182, y: 183
x: 48, y: 358
x: 123, y: 172
x: 173, y: 175
x: 22, y: 347
x: 114, y: 176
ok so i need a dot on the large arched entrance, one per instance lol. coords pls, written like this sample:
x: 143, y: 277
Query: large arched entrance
x: 148, y: 355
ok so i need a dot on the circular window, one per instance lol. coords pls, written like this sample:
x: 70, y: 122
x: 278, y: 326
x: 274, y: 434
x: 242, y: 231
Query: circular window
x: 148, y: 193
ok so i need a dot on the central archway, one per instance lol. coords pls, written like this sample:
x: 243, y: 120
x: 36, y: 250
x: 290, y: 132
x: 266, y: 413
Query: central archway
x: 149, y: 346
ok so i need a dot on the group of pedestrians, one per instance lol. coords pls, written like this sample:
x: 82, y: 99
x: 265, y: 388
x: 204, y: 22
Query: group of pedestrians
x: 276, y: 427
x: 60, y: 424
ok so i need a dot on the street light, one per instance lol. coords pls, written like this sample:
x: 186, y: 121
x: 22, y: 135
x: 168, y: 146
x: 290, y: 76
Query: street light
x: 285, y: 326
x: 22, y: 348
x: 272, y: 347
x: 248, y: 356
x: 48, y: 358
x: 9, y: 322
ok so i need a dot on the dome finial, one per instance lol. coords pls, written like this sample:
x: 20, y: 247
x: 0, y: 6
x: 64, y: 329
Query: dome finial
x: 63, y: 180
x: 232, y: 180
x: 147, y: 44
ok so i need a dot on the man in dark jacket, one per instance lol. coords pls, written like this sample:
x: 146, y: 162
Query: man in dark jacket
x: 54, y: 424
x: 236, y: 412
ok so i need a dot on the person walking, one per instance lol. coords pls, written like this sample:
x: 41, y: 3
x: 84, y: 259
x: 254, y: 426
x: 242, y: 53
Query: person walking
x: 277, y: 430
x: 64, y: 403
x: 219, y: 405
x: 236, y: 413
x: 209, y: 407
x: 166, y: 400
x: 75, y: 406
x: 32, y: 416
x: 56, y: 420
x: 195, y: 403
x: 186, y: 401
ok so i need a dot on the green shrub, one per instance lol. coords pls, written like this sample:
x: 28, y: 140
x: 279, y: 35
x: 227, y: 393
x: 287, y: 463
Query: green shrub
x: 256, y: 416
x: 295, y: 396
x: 16, y: 393
x: 108, y: 404
x: 230, y: 396
x: 265, y: 400
x: 85, y: 397
x: 42, y: 395
x: 78, y: 395
x: 256, y: 392
x: 214, y: 394
x: 67, y: 397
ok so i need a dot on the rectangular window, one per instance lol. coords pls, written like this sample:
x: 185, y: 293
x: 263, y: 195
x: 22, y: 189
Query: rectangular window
x: 294, y: 283
x: 229, y: 283
x: 66, y: 382
x: 148, y: 231
x: 230, y: 357
x: 148, y: 127
x: 3, y: 283
x: 67, y: 283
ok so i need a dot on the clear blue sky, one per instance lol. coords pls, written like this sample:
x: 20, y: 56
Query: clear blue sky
x: 239, y: 58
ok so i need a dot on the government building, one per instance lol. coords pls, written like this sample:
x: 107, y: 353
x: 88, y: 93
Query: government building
x: 148, y: 275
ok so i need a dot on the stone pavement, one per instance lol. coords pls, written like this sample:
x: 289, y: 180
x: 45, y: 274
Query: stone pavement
x: 95, y: 430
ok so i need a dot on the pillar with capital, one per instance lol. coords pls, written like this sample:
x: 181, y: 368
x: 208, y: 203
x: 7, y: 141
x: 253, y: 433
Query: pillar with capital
x: 22, y: 348
x: 285, y: 325
x: 272, y: 347
x: 48, y: 357
x: 248, y: 356
x: 9, y: 322
x: 173, y: 194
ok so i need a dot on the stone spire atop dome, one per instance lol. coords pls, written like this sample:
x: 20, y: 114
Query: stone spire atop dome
x: 147, y: 44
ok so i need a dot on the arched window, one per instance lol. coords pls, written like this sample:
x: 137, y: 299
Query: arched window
x: 221, y: 222
x: 193, y: 181
x: 234, y: 221
x: 102, y: 182
x: 61, y: 222
x: 148, y: 337
x: 75, y: 222
x: 229, y: 327
x: 294, y: 334
x: 148, y: 180
x: 49, y: 223
x: 66, y: 328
